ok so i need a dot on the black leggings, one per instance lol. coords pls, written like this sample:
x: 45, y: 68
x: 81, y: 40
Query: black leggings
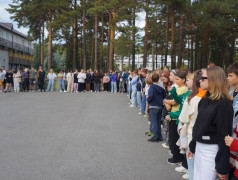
x: 173, y: 138
x: 26, y: 84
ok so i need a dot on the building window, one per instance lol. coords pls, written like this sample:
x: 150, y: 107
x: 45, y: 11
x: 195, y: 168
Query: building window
x: 7, y: 35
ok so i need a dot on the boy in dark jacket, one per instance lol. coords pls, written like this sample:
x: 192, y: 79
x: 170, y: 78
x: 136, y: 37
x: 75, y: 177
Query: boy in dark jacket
x: 155, y: 99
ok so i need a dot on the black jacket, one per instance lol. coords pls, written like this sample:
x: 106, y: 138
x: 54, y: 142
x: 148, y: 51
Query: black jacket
x: 88, y: 78
x: 213, y: 123
x: 96, y: 78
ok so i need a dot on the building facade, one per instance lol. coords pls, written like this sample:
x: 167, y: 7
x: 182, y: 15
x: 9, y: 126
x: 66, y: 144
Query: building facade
x: 15, y: 49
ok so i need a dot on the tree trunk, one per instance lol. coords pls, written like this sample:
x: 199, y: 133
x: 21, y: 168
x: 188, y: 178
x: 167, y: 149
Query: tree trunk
x: 122, y: 59
x: 156, y: 55
x: 96, y: 42
x: 42, y: 44
x: 75, y: 29
x: 181, y: 43
x: 173, y: 57
x: 111, y: 55
x: 162, y: 54
x: 206, y: 47
x: 66, y: 52
x: 108, y: 39
x: 167, y: 37
x: 129, y: 62
x: 134, y: 39
x: 231, y: 52
x: 146, y: 33
x: 192, y: 64
x: 84, y: 37
x: 101, y: 50
x: 50, y: 42
x: 91, y: 62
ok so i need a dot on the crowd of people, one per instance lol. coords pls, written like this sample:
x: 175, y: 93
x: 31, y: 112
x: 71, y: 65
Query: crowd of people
x: 199, y: 114
x: 197, y: 110
x: 25, y: 80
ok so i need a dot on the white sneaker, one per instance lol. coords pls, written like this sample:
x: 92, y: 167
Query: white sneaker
x: 61, y: 91
x: 185, y: 176
x: 132, y: 106
x: 139, y: 113
x: 165, y: 146
x: 181, y: 169
x: 169, y: 152
x: 65, y: 91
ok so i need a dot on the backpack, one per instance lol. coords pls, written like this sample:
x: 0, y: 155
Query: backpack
x: 138, y: 86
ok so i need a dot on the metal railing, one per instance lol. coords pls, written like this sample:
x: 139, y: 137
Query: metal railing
x: 15, y: 46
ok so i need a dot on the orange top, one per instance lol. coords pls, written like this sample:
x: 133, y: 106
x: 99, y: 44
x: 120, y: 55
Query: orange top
x: 201, y: 92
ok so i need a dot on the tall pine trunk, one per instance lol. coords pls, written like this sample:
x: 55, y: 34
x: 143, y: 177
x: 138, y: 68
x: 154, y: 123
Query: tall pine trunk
x: 101, y: 50
x: 156, y: 54
x: 42, y: 44
x: 206, y: 47
x: 75, y: 29
x: 181, y: 42
x: 173, y: 57
x: 50, y: 42
x: 84, y: 37
x: 108, y: 40
x: 134, y: 39
x: 96, y: 42
x: 112, y: 34
x: 91, y: 62
x: 146, y: 33
x: 167, y: 37
x: 66, y: 52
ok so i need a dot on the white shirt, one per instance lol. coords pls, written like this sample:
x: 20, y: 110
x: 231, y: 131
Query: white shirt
x: 51, y: 76
x: 81, y: 77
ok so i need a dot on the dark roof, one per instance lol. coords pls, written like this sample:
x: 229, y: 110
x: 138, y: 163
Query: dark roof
x: 9, y: 26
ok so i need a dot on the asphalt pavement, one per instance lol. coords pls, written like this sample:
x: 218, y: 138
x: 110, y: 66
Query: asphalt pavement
x: 77, y: 136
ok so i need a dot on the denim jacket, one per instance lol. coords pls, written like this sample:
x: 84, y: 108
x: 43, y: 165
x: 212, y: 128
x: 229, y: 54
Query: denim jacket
x: 235, y: 108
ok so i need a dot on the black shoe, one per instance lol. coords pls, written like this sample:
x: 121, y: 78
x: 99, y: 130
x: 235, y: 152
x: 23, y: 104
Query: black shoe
x: 153, y: 140
x: 173, y: 162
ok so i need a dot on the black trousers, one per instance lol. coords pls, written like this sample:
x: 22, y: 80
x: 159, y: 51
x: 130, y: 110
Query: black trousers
x: 26, y: 84
x: 41, y: 84
x: 105, y: 86
x: 81, y: 87
x: 173, y: 138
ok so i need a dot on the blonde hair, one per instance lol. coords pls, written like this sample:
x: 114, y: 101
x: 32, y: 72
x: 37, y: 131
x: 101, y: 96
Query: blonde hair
x: 26, y: 69
x: 218, y: 84
x: 190, y: 76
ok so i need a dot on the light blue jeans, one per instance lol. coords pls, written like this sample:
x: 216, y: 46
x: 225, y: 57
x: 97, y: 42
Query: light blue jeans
x: 143, y: 104
x: 190, y: 165
x: 50, y: 83
x: 61, y: 84
x: 134, y: 98
x: 114, y: 87
x: 139, y: 98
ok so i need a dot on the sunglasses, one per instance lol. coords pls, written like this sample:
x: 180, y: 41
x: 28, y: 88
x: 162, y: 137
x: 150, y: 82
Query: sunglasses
x: 203, y: 78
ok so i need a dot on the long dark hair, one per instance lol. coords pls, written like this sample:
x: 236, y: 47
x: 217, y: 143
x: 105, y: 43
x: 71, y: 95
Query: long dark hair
x: 196, y: 84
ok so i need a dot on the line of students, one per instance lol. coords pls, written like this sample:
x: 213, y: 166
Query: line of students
x: 76, y: 81
x: 200, y: 119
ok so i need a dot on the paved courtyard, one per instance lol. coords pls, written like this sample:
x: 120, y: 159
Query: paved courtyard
x: 83, y: 136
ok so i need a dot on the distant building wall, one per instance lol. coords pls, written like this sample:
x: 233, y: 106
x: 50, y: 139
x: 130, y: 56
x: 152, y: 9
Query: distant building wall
x: 4, y: 59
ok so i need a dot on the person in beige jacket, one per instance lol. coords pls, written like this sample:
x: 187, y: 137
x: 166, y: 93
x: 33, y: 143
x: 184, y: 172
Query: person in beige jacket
x: 17, y: 79
x: 70, y: 80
